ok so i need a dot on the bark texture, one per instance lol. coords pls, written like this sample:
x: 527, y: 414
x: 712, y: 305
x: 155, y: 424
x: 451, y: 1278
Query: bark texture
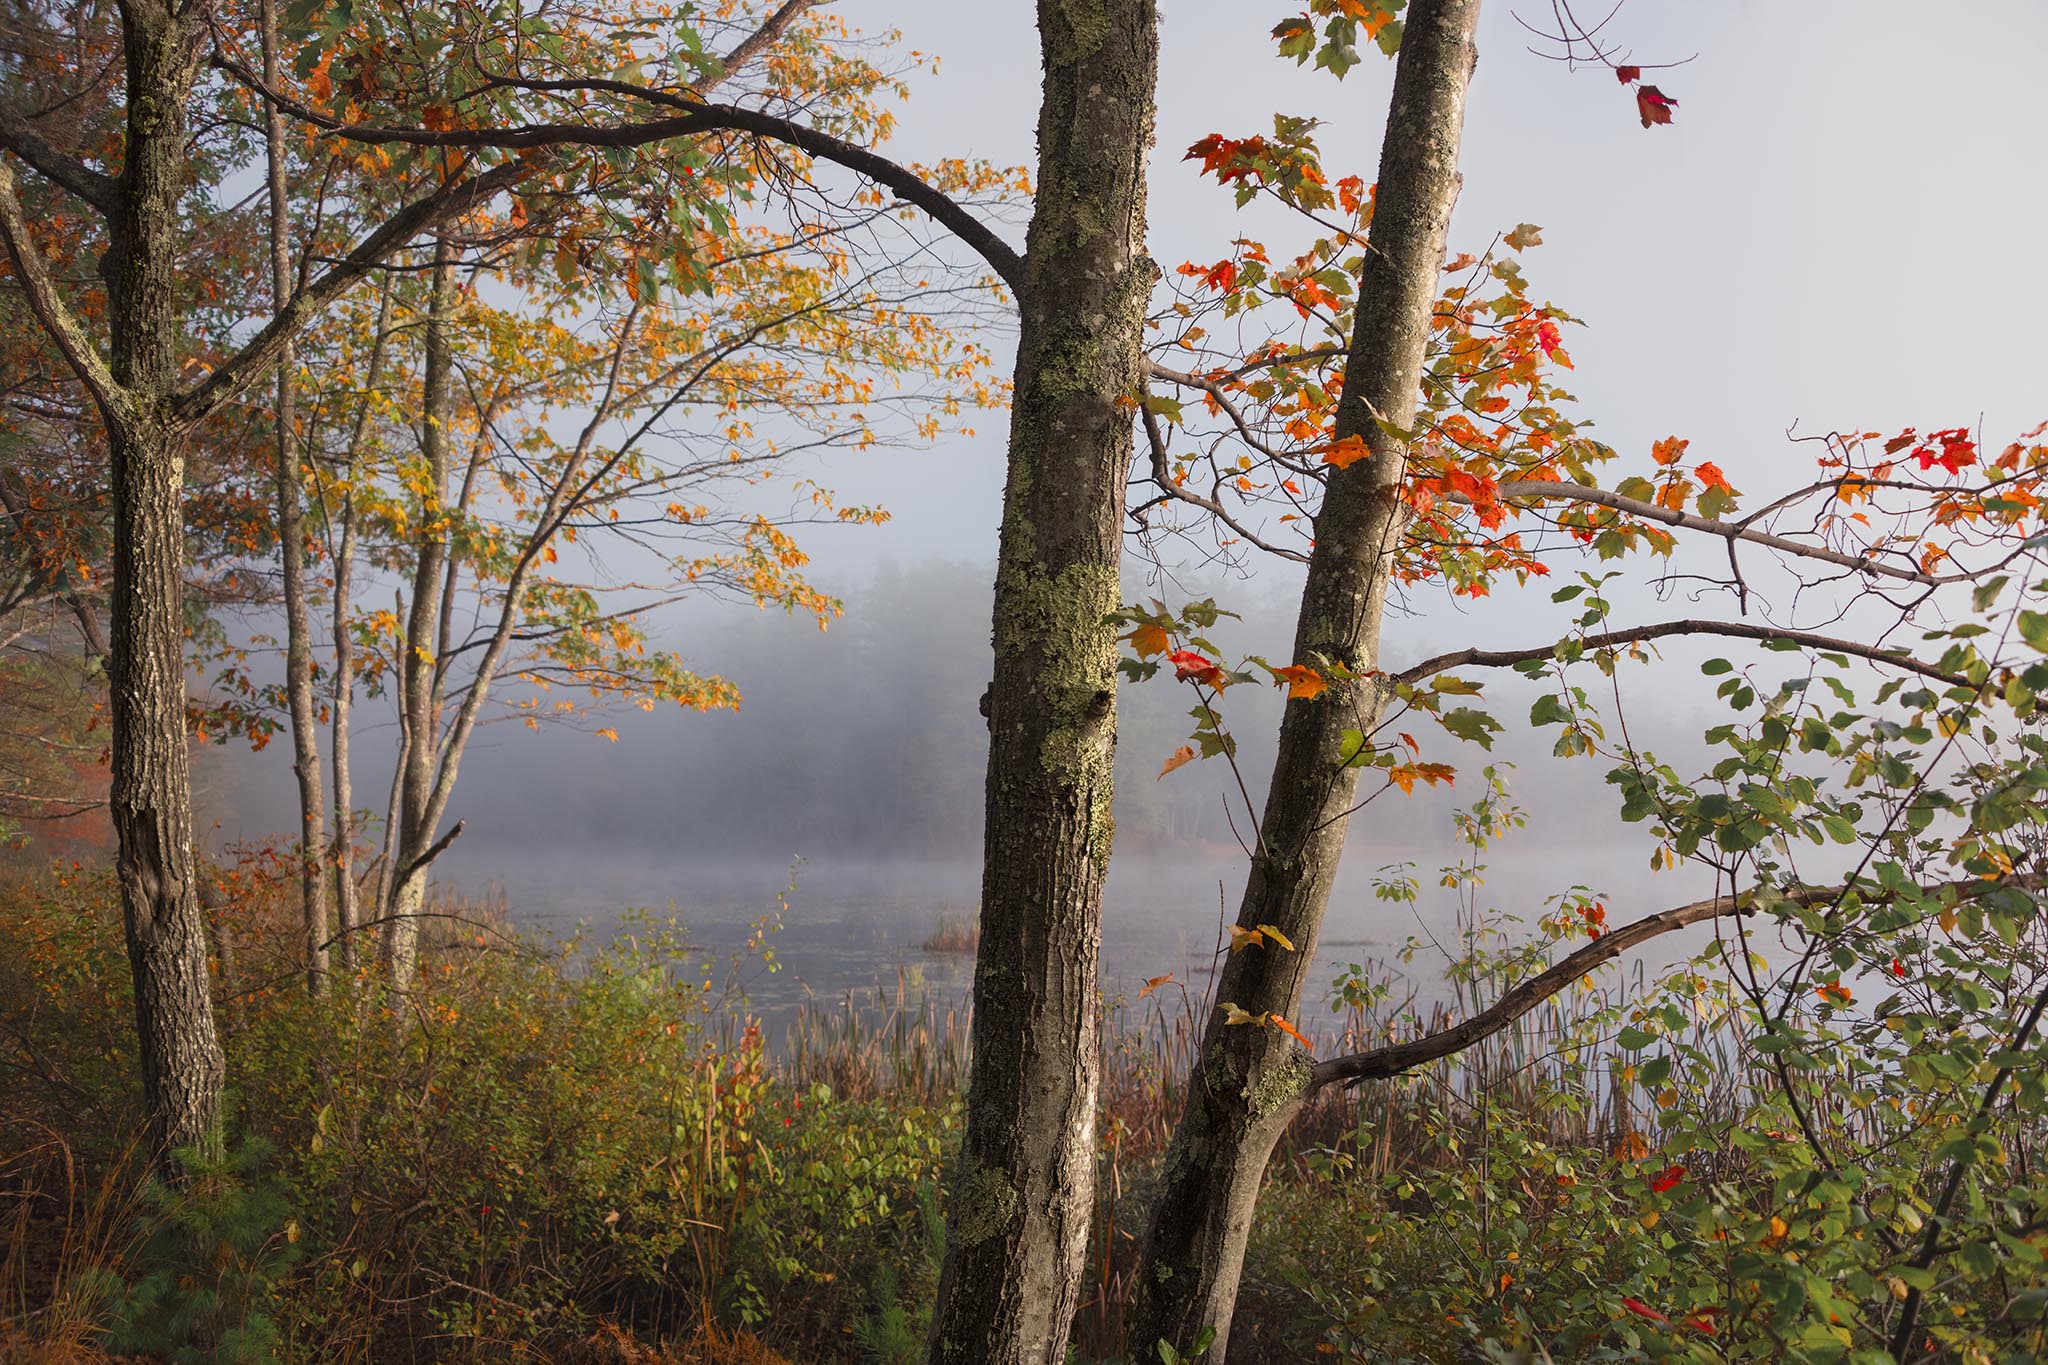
x: 151, y: 801
x: 1019, y: 1199
x: 419, y: 679
x: 342, y: 857
x: 1249, y: 1081
x: 291, y: 539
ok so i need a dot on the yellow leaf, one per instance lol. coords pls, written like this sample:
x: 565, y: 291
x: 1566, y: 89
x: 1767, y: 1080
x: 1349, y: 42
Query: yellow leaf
x: 1242, y: 938
x: 1649, y: 1220
x: 1948, y: 919
x: 1183, y: 755
x: 1149, y: 640
x: 1154, y: 983
x: 1233, y: 1015
x: 1274, y: 935
x: 610, y: 734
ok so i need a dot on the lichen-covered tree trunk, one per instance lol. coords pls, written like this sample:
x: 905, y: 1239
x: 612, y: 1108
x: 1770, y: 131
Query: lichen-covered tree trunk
x: 1249, y: 1081
x: 1019, y: 1198
x: 151, y: 799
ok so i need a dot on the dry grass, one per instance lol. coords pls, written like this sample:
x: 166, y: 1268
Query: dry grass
x: 955, y: 935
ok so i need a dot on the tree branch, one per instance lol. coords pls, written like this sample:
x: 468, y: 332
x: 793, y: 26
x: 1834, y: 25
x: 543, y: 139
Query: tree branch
x: 1155, y: 439
x: 693, y: 116
x: 1396, y: 1058
x: 1740, y: 630
x: 433, y: 851
x: 1728, y: 530
x: 754, y: 44
x: 263, y: 349
x: 19, y: 136
x: 56, y: 320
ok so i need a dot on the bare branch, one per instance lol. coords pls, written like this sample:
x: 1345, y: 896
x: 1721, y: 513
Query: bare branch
x: 1739, y: 630
x: 693, y: 116
x: 433, y: 851
x: 19, y: 136
x: 1396, y: 1058
x: 1161, y: 475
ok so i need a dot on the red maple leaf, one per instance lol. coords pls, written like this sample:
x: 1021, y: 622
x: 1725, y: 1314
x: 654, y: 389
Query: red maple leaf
x: 1643, y: 1310
x: 1957, y: 450
x: 1654, y: 105
x: 1628, y: 75
x: 1668, y: 1179
x: 1189, y: 666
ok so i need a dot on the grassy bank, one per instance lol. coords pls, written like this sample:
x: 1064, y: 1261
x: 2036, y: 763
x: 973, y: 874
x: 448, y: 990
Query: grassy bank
x: 585, y: 1152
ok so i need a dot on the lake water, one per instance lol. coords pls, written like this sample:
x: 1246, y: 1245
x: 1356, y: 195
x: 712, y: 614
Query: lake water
x: 855, y: 927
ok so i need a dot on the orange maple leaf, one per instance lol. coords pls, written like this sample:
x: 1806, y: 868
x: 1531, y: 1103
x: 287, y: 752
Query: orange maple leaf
x: 1669, y: 450
x: 1290, y: 1030
x: 1300, y: 681
x: 1346, y: 452
x: 1149, y: 640
x: 1180, y: 757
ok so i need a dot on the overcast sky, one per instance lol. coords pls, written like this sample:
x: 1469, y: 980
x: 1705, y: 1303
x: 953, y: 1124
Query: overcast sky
x: 1840, y: 229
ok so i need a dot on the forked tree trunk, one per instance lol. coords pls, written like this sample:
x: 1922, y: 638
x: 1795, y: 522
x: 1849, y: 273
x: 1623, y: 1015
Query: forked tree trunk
x: 151, y: 800
x: 1249, y: 1081
x: 291, y: 539
x: 1018, y: 1202
x: 347, y: 914
x: 419, y: 694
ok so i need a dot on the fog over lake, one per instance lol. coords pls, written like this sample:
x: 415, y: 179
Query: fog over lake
x: 851, y: 778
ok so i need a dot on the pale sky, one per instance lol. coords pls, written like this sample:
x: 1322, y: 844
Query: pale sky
x: 1840, y: 228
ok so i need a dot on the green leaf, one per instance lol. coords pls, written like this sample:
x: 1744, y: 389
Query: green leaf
x: 1476, y: 726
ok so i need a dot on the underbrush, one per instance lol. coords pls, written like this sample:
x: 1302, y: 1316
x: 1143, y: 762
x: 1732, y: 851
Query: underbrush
x: 587, y: 1153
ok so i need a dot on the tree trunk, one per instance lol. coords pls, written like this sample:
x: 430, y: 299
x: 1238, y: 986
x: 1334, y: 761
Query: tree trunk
x: 342, y: 854
x: 419, y: 693
x: 151, y: 800
x: 1019, y: 1200
x: 1249, y: 1081
x: 346, y: 903
x: 291, y: 539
